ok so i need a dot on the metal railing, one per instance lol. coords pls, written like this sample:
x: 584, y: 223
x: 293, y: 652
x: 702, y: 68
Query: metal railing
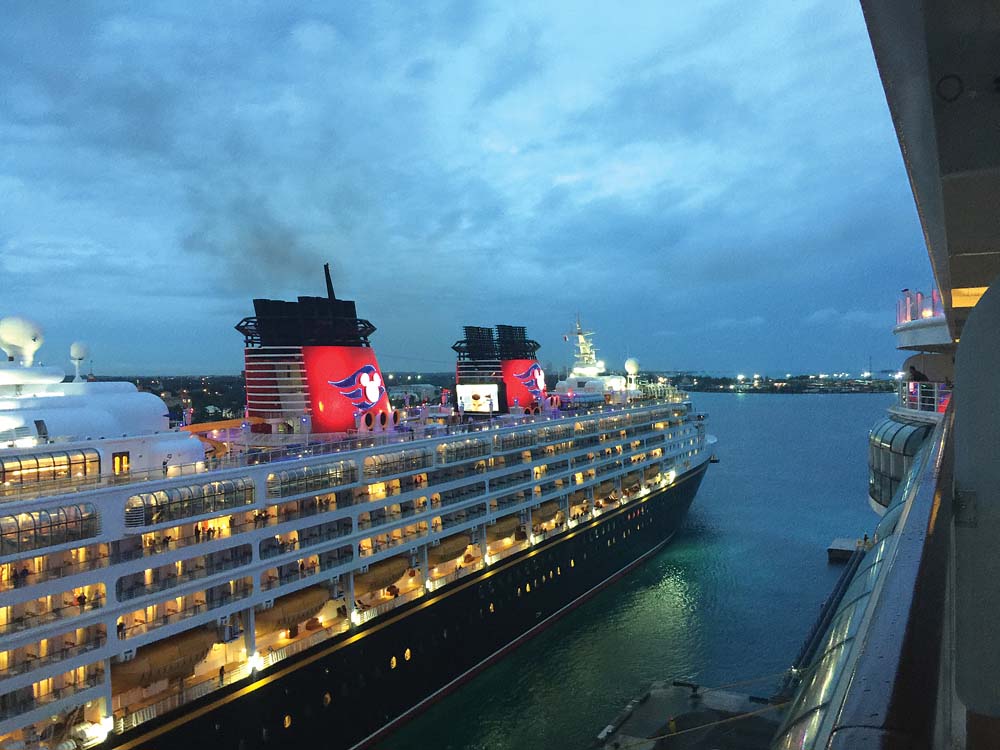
x: 314, y: 445
x: 171, y: 616
x: 914, y: 305
x: 57, y: 570
x: 924, y: 396
x: 23, y: 706
x: 125, y: 719
x: 37, y: 619
x: 32, y: 662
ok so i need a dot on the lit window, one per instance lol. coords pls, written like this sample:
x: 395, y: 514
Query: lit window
x: 288, y: 721
x: 491, y: 612
x: 407, y: 654
x: 572, y: 563
x: 527, y: 588
x: 327, y: 699
x: 392, y: 663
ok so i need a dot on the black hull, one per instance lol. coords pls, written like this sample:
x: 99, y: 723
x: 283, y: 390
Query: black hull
x: 346, y: 692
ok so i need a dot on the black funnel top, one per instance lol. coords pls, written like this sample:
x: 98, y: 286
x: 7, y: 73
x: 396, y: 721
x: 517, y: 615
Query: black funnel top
x: 309, y: 321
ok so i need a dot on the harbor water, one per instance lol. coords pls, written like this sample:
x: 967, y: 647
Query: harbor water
x: 731, y: 598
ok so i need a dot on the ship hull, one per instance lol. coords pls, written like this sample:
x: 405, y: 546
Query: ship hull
x: 356, y: 688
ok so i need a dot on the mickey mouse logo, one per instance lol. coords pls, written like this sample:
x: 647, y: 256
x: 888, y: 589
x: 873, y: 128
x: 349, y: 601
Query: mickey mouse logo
x: 534, y: 380
x: 363, y: 387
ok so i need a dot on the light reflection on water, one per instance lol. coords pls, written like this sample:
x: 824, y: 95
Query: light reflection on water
x: 730, y: 598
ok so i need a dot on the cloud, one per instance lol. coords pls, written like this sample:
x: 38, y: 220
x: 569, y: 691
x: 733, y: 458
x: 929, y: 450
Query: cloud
x: 658, y: 170
x: 848, y: 318
x: 752, y: 321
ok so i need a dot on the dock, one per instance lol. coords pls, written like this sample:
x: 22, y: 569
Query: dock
x: 701, y: 719
x: 841, y: 549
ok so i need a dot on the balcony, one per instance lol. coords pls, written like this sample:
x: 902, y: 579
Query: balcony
x: 920, y: 323
x: 927, y: 399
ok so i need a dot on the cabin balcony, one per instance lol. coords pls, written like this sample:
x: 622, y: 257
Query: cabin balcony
x: 36, y: 702
x: 182, y: 607
x: 302, y: 538
x: 44, y: 610
x: 163, y: 577
x: 37, y: 569
x: 38, y: 654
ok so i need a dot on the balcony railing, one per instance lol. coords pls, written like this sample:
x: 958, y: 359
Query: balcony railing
x: 326, y: 444
x: 915, y: 305
x: 68, y: 651
x: 924, y: 396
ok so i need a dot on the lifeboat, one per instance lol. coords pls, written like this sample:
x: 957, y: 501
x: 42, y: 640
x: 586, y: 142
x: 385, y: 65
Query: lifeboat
x: 291, y: 610
x: 545, y: 512
x: 169, y: 659
x: 380, y: 575
x: 504, y: 527
x: 449, y: 548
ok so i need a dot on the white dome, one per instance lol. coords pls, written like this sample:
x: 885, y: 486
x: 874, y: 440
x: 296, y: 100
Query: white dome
x: 78, y: 351
x: 632, y: 366
x: 20, y: 338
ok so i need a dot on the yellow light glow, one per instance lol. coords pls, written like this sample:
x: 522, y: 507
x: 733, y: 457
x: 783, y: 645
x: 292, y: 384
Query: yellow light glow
x: 967, y: 296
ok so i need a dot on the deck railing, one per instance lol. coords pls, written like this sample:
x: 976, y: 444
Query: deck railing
x: 924, y: 396
x: 309, y: 445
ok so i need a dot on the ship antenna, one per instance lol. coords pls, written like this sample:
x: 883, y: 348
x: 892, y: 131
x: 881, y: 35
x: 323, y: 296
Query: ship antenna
x: 329, y: 282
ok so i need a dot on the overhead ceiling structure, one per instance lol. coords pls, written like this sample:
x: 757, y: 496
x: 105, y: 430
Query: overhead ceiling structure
x: 941, y: 72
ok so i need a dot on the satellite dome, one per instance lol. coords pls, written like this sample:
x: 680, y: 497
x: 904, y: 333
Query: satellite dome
x: 20, y: 338
x: 78, y: 351
x: 632, y: 366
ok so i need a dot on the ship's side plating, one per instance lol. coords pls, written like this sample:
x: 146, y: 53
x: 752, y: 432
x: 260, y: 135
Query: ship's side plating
x: 352, y: 690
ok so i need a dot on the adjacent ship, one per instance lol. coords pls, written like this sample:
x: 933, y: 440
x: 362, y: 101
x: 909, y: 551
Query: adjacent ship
x: 323, y: 569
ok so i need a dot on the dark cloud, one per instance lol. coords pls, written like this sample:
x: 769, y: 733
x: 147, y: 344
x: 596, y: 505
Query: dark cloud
x: 713, y: 187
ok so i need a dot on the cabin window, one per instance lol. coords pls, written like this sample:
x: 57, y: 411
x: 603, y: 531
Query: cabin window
x: 120, y: 463
x: 407, y: 654
x: 288, y: 721
x: 327, y: 700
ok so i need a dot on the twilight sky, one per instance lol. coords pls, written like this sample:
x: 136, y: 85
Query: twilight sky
x: 712, y: 185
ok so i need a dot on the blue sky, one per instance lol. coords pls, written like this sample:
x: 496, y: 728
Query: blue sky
x: 710, y: 185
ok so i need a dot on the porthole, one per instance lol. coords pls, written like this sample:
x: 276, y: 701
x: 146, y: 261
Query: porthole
x: 527, y: 588
x: 558, y: 571
x: 492, y: 610
x: 407, y: 654
x: 550, y: 575
x: 392, y: 663
x: 288, y: 721
x: 327, y: 700
x: 572, y: 563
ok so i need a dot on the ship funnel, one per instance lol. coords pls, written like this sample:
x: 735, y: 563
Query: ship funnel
x: 20, y: 339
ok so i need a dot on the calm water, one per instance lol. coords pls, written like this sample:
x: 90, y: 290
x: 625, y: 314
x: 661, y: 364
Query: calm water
x: 731, y: 598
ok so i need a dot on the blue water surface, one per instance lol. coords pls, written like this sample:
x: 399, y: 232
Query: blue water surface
x: 729, y: 599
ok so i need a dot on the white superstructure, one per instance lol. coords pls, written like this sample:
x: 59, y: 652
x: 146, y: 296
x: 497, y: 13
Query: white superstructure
x: 137, y: 575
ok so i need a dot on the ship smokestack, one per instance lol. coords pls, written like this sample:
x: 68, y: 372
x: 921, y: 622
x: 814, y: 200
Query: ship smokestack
x: 329, y: 282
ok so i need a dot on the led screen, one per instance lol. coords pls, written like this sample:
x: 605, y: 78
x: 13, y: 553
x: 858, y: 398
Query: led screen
x: 478, y: 398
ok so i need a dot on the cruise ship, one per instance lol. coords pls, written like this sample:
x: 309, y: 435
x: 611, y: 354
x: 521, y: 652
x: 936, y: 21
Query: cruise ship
x: 326, y: 567
x: 909, y: 654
